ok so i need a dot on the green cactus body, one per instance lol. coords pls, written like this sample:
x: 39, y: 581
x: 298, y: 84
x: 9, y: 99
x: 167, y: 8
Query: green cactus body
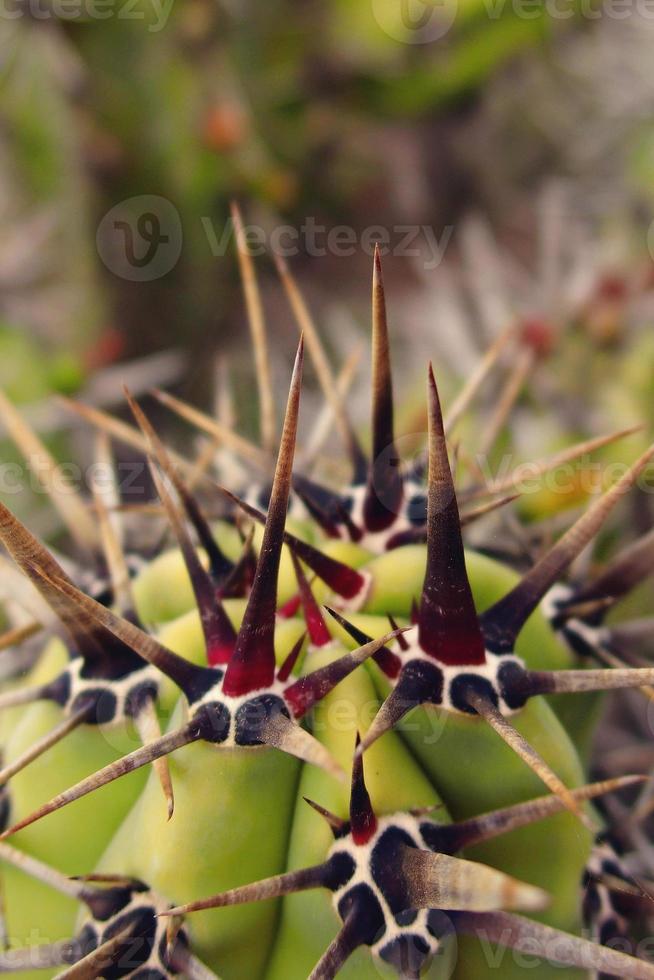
x: 395, y: 781
x: 210, y: 788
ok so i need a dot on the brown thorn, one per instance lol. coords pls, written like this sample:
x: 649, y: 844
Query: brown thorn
x: 336, y: 824
x: 257, y: 326
x: 575, y: 681
x: 402, y: 642
x: 217, y: 628
x: 448, y: 628
x: 329, y: 569
x: 243, y: 569
x: 462, y: 401
x: 474, y: 466
x: 630, y: 567
x: 225, y: 415
x: 42, y: 872
x: 507, y: 616
x: 119, y: 430
x: 363, y: 822
x: 540, y: 467
x: 587, y: 609
x: 125, y: 881
x: 218, y: 563
x: 469, y: 516
x: 467, y: 833
x: 387, y: 661
x: 112, y: 546
x: 341, y: 947
x: 444, y: 882
x: 536, y: 939
x: 45, y: 957
x: 173, y: 929
x: 23, y: 695
x: 384, y: 485
x: 317, y: 628
x: 38, y: 565
x: 391, y: 712
x: 323, y: 424
x: 258, y: 891
x: 492, y: 716
x: 149, y: 509
x: 224, y: 396
x: 149, y: 729
x: 313, y: 687
x: 282, y: 733
x: 418, y: 534
x: 108, y: 487
x: 97, y: 962
x: 632, y: 631
x: 426, y: 811
x: 252, y: 663
x: 41, y: 746
x: 322, y: 367
x: 204, y: 462
x: 290, y: 660
x: 180, y: 670
x: 621, y: 887
x: 242, y: 447
x: 135, y: 760
x: 190, y: 966
x: 605, y: 655
x: 508, y: 397
x: 66, y: 499
x: 19, y: 634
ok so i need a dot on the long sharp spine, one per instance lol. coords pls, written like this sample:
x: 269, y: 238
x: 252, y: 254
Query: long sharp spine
x: 252, y: 664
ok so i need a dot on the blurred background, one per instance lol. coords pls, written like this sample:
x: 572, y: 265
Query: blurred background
x: 501, y: 151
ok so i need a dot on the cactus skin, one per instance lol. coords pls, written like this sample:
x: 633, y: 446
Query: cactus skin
x: 240, y: 816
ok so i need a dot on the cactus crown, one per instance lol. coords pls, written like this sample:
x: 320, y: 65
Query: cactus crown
x: 396, y: 883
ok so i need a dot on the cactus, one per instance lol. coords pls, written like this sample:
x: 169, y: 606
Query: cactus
x: 244, y: 673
